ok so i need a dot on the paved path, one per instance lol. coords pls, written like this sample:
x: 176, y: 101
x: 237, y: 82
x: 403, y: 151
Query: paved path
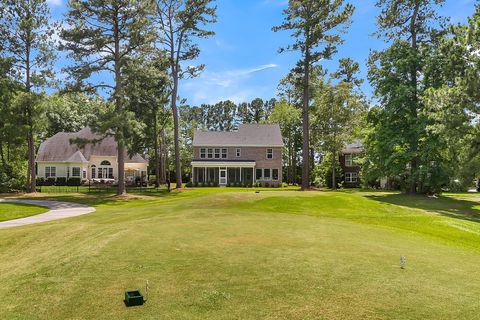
x: 58, y: 210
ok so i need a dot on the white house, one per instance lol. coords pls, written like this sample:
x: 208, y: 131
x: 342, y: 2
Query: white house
x: 59, y: 157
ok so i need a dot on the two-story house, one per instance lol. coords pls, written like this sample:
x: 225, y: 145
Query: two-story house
x: 249, y: 155
x: 350, y: 167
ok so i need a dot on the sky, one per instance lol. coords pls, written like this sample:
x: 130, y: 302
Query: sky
x: 242, y: 60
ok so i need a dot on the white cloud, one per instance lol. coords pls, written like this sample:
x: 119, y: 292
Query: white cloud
x: 235, y: 85
x: 55, y: 2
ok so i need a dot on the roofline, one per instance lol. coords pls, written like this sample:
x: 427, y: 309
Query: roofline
x: 238, y: 146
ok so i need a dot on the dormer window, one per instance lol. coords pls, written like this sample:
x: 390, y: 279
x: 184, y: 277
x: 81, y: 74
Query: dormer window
x: 203, y: 153
x: 269, y: 153
x: 238, y: 152
x: 224, y: 153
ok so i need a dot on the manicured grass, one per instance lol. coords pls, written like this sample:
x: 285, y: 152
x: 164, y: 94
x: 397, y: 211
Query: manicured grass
x: 9, y: 211
x: 237, y: 254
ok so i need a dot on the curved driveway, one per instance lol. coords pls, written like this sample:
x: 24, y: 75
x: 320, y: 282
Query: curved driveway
x: 58, y: 210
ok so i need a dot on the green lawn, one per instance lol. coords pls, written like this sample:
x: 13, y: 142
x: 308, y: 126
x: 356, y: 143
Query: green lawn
x: 9, y: 211
x: 237, y: 254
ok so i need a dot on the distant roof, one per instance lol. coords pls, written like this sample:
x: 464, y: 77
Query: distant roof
x: 59, y: 149
x: 355, y: 147
x: 251, y: 135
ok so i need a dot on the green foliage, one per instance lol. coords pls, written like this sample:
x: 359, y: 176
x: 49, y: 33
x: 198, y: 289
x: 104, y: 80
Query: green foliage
x: 71, y: 112
x: 316, y: 26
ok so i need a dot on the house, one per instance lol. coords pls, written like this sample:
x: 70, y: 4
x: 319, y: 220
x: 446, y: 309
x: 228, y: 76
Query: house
x: 250, y: 155
x: 350, y: 166
x: 58, y: 157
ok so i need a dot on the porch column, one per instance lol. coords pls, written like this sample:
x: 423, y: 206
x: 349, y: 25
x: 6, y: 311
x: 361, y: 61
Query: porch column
x: 241, y: 175
x: 193, y: 174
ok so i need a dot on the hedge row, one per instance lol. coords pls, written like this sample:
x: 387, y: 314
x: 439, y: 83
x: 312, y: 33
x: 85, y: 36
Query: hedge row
x: 60, y: 181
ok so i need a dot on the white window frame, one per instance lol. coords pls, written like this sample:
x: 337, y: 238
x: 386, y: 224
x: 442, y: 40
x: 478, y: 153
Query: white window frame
x: 79, y: 172
x: 203, y: 153
x: 238, y: 152
x: 278, y: 171
x: 224, y: 153
x: 51, y: 172
x: 217, y: 153
x: 210, y: 153
x: 261, y: 174
x: 348, y: 160
x: 270, y: 153
x: 351, y: 177
x: 264, y: 177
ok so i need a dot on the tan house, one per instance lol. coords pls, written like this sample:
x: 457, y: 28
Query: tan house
x: 59, y: 157
x: 252, y: 154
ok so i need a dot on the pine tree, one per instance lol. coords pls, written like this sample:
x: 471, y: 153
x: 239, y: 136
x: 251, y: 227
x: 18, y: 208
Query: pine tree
x: 102, y: 37
x: 26, y: 34
x: 316, y: 27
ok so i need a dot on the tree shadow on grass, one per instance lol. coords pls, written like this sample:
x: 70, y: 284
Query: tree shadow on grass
x: 446, y: 206
x: 102, y: 197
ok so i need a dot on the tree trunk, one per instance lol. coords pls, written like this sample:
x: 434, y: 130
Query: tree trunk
x: 163, y: 168
x: 157, y: 153
x: 176, y: 136
x: 31, y: 177
x: 119, y: 109
x: 334, y: 169
x: 305, y: 124
x: 414, y: 83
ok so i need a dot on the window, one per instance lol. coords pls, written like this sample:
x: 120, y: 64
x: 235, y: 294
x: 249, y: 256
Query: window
x: 50, y: 172
x: 269, y: 153
x: 93, y: 172
x: 203, y: 153
x: 105, y: 163
x: 348, y: 160
x: 258, y: 174
x: 110, y: 173
x: 351, y: 177
x: 210, y: 153
x: 84, y: 174
x: 100, y: 173
x: 274, y: 174
x: 75, y: 172
x: 238, y: 152
x: 266, y: 174
x: 224, y: 153
x: 217, y: 153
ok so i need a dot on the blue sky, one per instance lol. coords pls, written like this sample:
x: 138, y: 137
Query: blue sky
x: 242, y: 59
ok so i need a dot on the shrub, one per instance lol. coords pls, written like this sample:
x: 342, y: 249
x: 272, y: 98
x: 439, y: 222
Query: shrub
x: 40, y: 182
x: 50, y: 181
x: 195, y: 184
x: 61, y: 181
x: 267, y: 185
x: 189, y: 184
x: 203, y: 184
x: 74, y: 181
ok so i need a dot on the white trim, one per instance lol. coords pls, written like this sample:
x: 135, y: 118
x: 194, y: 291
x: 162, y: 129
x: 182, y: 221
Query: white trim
x: 241, y: 146
x: 223, y: 164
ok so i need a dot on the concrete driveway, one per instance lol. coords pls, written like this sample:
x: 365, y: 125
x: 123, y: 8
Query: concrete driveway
x: 58, y: 210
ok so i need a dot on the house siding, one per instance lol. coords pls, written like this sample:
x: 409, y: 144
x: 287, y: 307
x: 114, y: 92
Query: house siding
x: 353, y: 168
x: 257, y: 154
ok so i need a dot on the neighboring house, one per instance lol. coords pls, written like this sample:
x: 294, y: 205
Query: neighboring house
x: 58, y: 157
x: 350, y: 167
x: 253, y: 154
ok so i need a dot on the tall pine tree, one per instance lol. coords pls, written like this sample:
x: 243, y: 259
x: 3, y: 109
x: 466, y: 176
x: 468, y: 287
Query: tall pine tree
x: 316, y: 26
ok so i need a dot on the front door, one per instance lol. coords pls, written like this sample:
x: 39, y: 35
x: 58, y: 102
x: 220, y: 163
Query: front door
x: 223, y: 176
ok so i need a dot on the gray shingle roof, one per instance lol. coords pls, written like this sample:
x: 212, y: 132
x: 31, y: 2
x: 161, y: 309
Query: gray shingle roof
x: 354, y: 148
x: 59, y: 149
x: 251, y: 135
